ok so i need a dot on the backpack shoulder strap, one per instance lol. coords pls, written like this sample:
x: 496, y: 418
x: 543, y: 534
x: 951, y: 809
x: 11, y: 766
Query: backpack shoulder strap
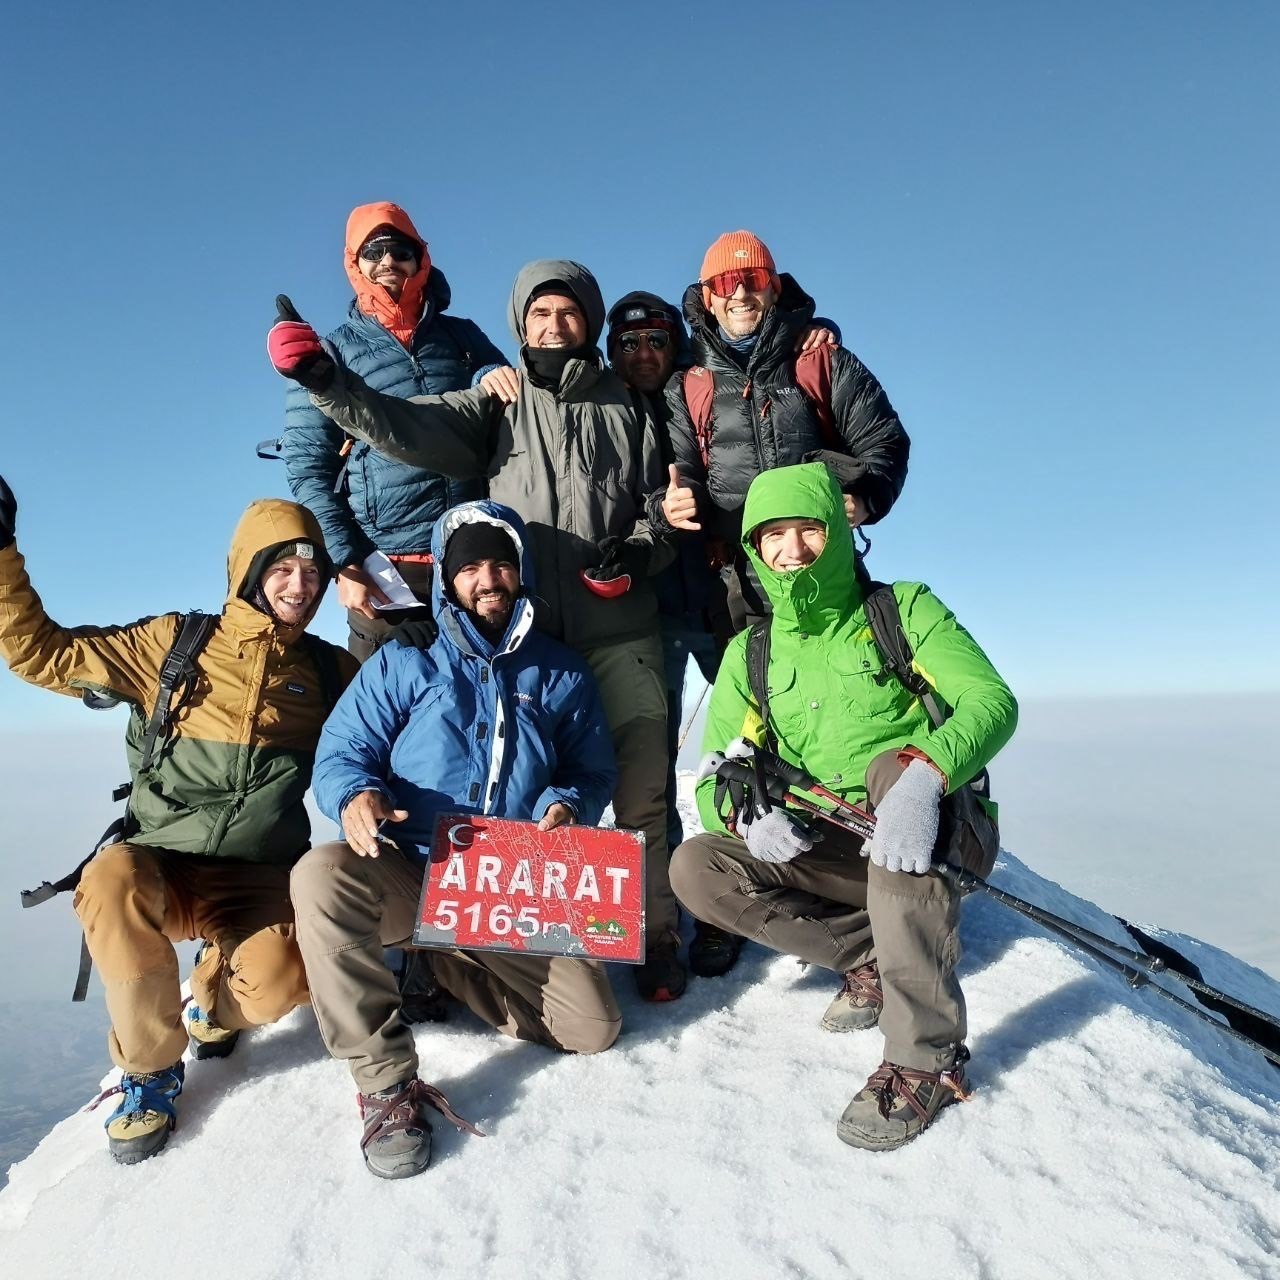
x: 758, y: 675
x: 699, y: 390
x: 175, y: 678
x: 885, y: 620
x: 813, y: 377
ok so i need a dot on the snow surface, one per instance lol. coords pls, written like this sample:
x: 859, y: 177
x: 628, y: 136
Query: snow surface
x: 1110, y: 1135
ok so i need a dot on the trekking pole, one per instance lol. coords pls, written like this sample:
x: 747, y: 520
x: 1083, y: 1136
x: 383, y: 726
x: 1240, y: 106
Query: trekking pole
x: 1135, y: 977
x: 1135, y: 965
x: 693, y: 715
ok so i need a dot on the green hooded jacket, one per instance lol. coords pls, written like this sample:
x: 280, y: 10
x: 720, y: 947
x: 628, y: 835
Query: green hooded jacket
x: 833, y: 704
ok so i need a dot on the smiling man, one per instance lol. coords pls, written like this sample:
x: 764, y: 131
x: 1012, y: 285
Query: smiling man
x: 398, y: 335
x: 747, y: 406
x: 825, y: 698
x: 488, y: 717
x: 216, y: 816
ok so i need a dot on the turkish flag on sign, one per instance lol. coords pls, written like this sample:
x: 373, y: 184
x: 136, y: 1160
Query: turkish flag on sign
x: 497, y: 885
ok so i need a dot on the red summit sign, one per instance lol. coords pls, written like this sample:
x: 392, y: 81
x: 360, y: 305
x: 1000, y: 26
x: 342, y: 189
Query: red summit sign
x: 497, y: 885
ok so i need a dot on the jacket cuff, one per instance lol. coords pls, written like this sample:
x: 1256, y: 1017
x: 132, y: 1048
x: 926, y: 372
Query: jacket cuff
x: 908, y: 754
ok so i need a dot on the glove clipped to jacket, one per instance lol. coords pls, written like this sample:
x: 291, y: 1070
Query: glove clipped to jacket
x: 296, y: 350
x: 8, y: 514
x: 907, y: 821
x: 619, y: 564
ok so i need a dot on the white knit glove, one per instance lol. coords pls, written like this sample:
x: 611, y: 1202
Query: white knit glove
x: 907, y: 821
x: 775, y: 837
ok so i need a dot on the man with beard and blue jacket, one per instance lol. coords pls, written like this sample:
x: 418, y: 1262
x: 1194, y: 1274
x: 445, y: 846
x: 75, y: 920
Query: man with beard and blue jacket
x: 490, y: 717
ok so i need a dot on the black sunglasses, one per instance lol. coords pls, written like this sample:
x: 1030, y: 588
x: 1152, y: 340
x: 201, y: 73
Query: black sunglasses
x: 657, y: 340
x: 400, y: 251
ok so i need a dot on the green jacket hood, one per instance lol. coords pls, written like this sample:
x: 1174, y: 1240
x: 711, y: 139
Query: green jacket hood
x: 825, y: 589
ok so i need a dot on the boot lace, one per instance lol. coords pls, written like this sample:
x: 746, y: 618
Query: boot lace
x: 891, y: 1082
x: 383, y: 1116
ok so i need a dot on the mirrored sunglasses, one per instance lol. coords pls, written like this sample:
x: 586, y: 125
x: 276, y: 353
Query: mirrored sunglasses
x: 753, y: 279
x: 400, y: 251
x: 654, y: 339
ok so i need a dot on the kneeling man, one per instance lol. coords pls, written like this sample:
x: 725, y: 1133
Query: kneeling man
x: 886, y: 920
x: 489, y: 716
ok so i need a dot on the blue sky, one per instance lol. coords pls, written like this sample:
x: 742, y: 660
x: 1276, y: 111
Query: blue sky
x: 1051, y: 235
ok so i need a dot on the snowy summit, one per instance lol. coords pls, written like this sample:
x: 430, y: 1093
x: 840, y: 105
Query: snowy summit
x: 1109, y: 1135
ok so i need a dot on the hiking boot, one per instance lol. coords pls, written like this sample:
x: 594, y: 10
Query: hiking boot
x: 896, y: 1103
x: 857, y: 1006
x: 713, y: 952
x: 397, y: 1135
x: 662, y: 976
x: 206, y: 1037
x: 141, y: 1124
x: 422, y: 998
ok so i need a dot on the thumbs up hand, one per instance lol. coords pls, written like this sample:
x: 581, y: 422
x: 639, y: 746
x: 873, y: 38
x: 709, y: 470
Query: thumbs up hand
x: 295, y: 348
x: 680, y: 505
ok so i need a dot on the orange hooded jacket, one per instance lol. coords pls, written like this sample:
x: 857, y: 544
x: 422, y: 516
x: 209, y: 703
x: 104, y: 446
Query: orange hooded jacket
x: 401, y: 316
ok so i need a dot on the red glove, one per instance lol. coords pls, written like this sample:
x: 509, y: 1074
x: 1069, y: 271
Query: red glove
x: 295, y: 349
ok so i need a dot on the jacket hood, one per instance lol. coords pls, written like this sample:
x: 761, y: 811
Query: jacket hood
x: 793, y: 312
x: 265, y: 525
x: 580, y: 282
x: 829, y: 587
x: 398, y: 316
x: 651, y: 302
x: 452, y: 617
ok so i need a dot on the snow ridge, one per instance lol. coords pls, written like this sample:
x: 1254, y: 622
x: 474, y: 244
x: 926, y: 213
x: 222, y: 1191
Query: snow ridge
x: 1110, y: 1135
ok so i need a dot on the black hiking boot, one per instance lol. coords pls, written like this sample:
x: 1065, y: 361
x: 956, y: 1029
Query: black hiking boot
x: 662, y: 977
x: 897, y: 1103
x: 422, y: 998
x: 713, y: 951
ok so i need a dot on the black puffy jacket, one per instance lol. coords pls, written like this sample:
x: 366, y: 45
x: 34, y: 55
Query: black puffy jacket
x: 760, y: 419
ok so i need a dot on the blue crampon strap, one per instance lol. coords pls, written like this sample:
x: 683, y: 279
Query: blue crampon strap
x: 155, y: 1093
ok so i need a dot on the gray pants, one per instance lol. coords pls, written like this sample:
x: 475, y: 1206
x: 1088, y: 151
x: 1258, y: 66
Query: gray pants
x: 365, y: 636
x: 632, y: 681
x: 348, y: 908
x: 832, y: 907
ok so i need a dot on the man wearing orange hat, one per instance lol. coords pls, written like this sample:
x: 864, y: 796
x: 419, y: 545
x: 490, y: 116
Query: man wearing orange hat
x: 750, y: 404
x: 398, y: 337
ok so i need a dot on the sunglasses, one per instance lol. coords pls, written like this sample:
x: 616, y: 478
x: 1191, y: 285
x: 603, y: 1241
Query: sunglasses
x: 752, y: 279
x: 400, y: 251
x: 655, y: 339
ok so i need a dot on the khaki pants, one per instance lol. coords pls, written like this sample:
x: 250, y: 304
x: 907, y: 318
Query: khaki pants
x: 135, y: 901
x: 835, y: 908
x: 632, y: 680
x: 350, y: 907
x: 365, y: 636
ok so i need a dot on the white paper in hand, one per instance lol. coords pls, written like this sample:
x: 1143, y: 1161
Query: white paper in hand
x: 386, y: 577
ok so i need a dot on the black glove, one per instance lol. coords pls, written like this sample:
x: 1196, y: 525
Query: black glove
x: 416, y: 632
x: 8, y: 514
x: 296, y: 350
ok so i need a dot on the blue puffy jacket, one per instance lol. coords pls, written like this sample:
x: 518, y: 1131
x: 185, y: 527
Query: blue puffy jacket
x: 461, y: 727
x: 383, y: 505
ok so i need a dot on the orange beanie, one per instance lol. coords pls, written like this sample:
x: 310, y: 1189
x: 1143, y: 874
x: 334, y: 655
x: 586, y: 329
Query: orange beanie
x: 735, y: 249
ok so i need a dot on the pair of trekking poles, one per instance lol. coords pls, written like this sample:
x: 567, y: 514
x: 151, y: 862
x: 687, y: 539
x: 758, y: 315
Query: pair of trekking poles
x: 747, y: 771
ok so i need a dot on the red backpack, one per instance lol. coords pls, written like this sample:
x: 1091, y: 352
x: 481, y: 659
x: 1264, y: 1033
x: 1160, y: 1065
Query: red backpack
x: 813, y: 377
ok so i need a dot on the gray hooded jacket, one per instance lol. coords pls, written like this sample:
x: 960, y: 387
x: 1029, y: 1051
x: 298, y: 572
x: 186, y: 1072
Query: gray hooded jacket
x: 576, y: 463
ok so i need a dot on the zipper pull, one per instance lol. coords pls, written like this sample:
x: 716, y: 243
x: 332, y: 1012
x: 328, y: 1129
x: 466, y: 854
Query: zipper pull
x: 746, y: 391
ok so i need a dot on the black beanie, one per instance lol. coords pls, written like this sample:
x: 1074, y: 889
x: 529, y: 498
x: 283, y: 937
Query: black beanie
x: 475, y: 541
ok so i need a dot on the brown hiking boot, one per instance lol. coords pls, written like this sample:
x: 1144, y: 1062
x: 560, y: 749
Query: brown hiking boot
x: 858, y: 1004
x: 896, y: 1103
x: 397, y: 1135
